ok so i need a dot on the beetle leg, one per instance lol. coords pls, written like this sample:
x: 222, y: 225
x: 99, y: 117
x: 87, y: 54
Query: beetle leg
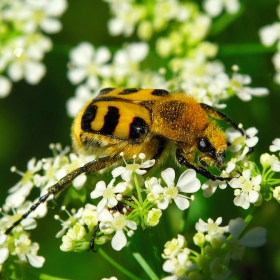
x: 65, y: 182
x: 91, y: 246
x: 221, y: 116
x: 183, y: 160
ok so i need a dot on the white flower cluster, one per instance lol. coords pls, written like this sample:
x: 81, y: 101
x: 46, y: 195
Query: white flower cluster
x: 218, y: 246
x: 271, y: 165
x: 215, y: 7
x: 23, y: 43
x: 190, y: 66
x: 120, y: 210
x: 249, y: 183
x: 270, y: 36
x: 41, y: 174
x: 247, y: 189
x: 92, y: 68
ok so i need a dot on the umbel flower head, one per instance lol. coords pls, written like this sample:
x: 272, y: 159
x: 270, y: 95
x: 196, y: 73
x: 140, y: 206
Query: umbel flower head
x: 120, y: 210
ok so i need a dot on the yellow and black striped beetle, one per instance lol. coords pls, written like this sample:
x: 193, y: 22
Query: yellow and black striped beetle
x: 133, y: 121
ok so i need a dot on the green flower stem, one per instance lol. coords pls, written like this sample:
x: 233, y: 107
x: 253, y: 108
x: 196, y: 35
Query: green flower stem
x: 250, y: 216
x: 245, y: 49
x: 137, y: 187
x: 118, y: 266
x: 133, y: 205
x: 145, y: 266
x: 183, y: 222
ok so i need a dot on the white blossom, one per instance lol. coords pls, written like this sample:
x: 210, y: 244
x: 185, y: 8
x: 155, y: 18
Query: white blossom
x: 115, y: 223
x: 211, y: 227
x: 108, y: 193
x: 5, y: 86
x: 187, y: 183
x: 275, y: 145
x: 246, y: 189
x: 86, y: 62
x: 126, y: 171
x: 209, y: 187
x: 215, y: 7
x: 21, y: 190
x: 239, y: 84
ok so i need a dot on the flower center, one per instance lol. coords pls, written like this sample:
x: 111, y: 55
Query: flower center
x: 109, y: 192
x: 27, y: 177
x: 171, y: 192
x: 212, y: 227
x: 119, y: 223
x: 132, y: 166
x: 247, y: 186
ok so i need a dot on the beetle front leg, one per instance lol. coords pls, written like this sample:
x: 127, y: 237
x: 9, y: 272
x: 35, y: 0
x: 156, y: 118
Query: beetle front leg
x: 185, y: 160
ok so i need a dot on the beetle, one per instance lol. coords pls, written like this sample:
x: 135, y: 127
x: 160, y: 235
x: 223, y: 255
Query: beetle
x: 131, y: 121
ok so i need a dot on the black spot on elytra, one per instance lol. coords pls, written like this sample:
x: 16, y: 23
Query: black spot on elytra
x: 88, y: 117
x: 105, y: 91
x: 111, y: 120
x: 129, y: 91
x: 138, y: 127
x: 160, y: 92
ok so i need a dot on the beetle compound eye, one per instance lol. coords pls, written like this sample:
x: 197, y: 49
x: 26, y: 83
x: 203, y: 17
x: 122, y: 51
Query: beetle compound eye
x: 204, y: 145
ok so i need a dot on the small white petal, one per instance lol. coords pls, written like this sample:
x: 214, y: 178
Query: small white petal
x: 99, y: 190
x: 148, y: 163
x: 56, y: 8
x: 82, y: 54
x: 168, y: 266
x: 191, y: 187
x: 168, y: 176
x: 163, y: 204
x: 5, y: 86
x: 118, y: 171
x: 235, y: 183
x: 79, y: 182
x: 141, y: 171
x: 242, y: 201
x: 186, y: 177
x: 51, y: 25
x: 15, y: 71
x: 4, y: 254
x: 268, y: 35
x: 119, y: 240
x: 131, y: 224
x: 101, y: 205
x: 76, y: 75
x: 251, y: 132
x: 3, y: 238
x: 253, y: 196
x: 102, y: 55
x: 230, y: 167
x: 257, y: 180
x: 105, y: 216
x: 182, y: 202
x: 36, y: 261
x: 119, y: 188
x: 246, y: 174
x: 251, y: 142
x: 112, y: 202
x: 29, y: 224
x: 156, y: 188
x: 127, y: 175
x: 34, y: 71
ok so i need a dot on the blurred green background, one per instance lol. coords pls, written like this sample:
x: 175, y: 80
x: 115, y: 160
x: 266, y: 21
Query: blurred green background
x: 32, y: 117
